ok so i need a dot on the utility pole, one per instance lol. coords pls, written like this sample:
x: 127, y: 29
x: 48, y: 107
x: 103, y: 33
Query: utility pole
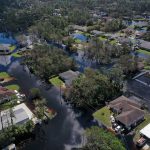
x: 1, y: 121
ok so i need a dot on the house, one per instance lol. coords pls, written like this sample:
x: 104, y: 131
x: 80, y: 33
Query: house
x: 77, y: 27
x: 144, y: 45
x: 140, y: 87
x: 69, y: 76
x: 96, y: 32
x: 21, y: 113
x: 5, y: 94
x: 128, y: 112
x: 4, y: 49
x: 146, y: 131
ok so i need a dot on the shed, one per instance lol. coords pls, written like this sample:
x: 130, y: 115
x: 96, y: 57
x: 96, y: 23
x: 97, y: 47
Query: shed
x: 146, y: 131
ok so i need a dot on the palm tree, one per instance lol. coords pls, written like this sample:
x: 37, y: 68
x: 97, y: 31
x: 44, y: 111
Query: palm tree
x: 40, y: 107
x: 11, y: 113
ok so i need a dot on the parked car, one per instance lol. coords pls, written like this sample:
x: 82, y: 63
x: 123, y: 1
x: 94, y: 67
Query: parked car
x: 118, y: 128
x: 114, y: 125
x: 141, y: 142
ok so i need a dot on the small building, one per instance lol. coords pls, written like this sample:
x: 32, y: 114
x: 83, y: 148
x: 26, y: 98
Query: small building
x: 5, y: 94
x: 69, y: 76
x: 146, y: 131
x: 5, y: 49
x: 21, y: 114
x: 144, y: 45
x: 128, y: 112
x: 96, y: 32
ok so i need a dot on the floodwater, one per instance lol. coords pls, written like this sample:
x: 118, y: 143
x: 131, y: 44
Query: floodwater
x: 65, y: 131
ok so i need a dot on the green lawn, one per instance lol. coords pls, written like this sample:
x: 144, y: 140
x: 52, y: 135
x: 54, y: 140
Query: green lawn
x: 143, y: 51
x: 102, y: 38
x: 16, y: 55
x: 12, y: 48
x: 4, y: 75
x: 147, y: 67
x: 77, y: 41
x: 56, y: 81
x: 141, y: 126
x: 13, y: 87
x: 113, y: 42
x: 79, y: 32
x: 103, y: 115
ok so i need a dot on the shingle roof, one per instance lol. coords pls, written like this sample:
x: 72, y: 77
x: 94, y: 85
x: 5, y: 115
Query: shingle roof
x: 129, y: 110
x: 144, y: 44
x: 69, y: 76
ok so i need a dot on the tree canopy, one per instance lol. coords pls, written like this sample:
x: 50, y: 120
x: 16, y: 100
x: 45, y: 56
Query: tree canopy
x: 99, y: 139
x: 46, y: 61
x: 93, y: 89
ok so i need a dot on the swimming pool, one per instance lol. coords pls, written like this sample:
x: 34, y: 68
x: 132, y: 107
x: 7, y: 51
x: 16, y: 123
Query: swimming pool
x: 4, y: 39
x: 80, y: 37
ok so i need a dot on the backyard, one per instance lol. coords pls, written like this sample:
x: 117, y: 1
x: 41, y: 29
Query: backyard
x: 56, y: 81
x: 143, y: 51
x: 4, y: 75
x: 13, y: 87
x: 103, y: 115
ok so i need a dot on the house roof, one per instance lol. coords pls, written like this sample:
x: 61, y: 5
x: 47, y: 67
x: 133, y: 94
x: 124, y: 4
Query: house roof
x: 146, y: 131
x: 69, y: 76
x: 129, y: 110
x: 21, y: 112
x: 20, y: 116
x: 144, y: 44
x: 130, y: 117
x: 4, y: 46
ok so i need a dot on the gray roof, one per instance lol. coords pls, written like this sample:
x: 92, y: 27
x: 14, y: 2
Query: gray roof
x: 20, y: 117
x: 4, y: 46
x: 69, y: 76
x: 96, y: 32
x: 144, y: 44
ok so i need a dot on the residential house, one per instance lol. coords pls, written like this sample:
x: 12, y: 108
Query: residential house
x: 128, y: 112
x: 144, y: 45
x: 69, y: 76
x: 146, y: 131
x: 4, y: 49
x: 21, y: 113
x: 96, y: 32
x: 5, y: 94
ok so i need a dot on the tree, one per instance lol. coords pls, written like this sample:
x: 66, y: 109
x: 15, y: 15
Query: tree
x: 40, y: 107
x: 35, y: 93
x: 99, y: 139
x: 12, y: 115
x: 45, y: 61
x: 128, y: 63
x: 92, y: 89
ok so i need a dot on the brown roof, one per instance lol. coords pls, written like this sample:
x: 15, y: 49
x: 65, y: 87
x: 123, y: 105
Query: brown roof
x: 130, y: 117
x: 129, y: 110
x: 5, y: 92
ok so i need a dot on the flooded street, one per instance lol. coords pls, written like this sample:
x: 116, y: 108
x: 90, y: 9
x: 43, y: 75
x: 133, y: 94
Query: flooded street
x: 66, y: 129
